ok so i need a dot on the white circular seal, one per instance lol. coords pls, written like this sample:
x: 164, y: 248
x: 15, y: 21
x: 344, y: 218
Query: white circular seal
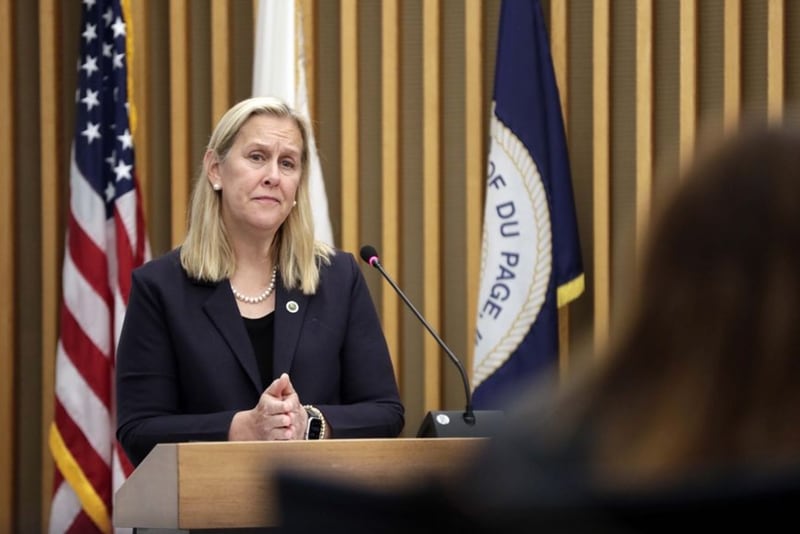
x: 516, y: 259
x: 292, y: 306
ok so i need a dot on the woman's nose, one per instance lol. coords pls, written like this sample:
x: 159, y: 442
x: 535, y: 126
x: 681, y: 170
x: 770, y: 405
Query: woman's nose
x: 272, y: 173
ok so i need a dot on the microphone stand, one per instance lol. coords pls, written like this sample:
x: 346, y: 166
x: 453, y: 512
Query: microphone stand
x: 469, y: 414
x: 444, y: 423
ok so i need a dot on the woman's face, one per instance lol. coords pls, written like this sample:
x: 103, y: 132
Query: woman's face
x: 259, y: 175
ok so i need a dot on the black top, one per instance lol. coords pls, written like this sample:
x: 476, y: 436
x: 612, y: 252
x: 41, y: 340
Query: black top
x: 262, y: 332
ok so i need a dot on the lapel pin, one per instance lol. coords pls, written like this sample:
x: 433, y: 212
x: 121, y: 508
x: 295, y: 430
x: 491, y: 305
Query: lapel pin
x: 292, y: 306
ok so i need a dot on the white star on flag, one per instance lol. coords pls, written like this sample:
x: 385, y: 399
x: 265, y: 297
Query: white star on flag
x: 90, y: 32
x: 91, y: 132
x: 91, y: 99
x: 90, y: 66
x: 123, y: 171
x: 119, y: 27
x: 110, y: 192
x: 126, y: 139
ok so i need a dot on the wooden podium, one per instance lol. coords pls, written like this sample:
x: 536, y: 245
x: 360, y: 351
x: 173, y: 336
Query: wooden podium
x: 229, y: 485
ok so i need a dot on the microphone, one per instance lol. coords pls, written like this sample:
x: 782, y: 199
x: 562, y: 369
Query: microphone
x: 443, y: 423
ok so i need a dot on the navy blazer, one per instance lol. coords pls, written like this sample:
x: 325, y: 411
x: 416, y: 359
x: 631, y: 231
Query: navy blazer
x: 185, y: 363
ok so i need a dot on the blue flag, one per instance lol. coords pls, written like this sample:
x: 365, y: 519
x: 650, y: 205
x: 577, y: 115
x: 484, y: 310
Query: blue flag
x: 531, y: 261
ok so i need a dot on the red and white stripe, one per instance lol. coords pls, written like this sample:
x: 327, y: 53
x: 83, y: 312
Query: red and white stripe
x: 99, y: 258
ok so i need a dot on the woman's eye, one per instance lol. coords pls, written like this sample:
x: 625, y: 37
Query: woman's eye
x: 287, y: 164
x: 257, y: 157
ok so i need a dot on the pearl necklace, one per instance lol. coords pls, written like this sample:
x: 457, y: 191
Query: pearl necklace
x: 263, y: 296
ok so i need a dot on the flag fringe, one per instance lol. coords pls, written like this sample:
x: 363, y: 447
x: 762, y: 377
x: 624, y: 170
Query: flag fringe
x: 571, y: 290
x: 91, y: 502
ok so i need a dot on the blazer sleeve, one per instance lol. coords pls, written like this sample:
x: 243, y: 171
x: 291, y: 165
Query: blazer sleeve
x: 370, y: 403
x: 149, y: 405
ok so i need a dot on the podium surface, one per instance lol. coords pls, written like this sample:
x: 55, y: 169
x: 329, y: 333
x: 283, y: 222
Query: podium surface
x: 232, y: 484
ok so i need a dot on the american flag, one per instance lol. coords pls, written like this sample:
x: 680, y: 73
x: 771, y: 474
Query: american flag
x: 105, y: 240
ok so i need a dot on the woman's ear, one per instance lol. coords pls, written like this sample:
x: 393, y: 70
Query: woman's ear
x: 211, y: 164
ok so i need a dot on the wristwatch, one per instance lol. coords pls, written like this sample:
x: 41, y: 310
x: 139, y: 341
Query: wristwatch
x: 315, y: 429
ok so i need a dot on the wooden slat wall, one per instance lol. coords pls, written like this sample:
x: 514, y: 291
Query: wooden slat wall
x: 139, y: 64
x: 390, y: 178
x: 431, y: 205
x: 687, y: 106
x: 475, y: 167
x: 349, y: 126
x: 559, y: 38
x: 180, y: 118
x: 51, y: 174
x: 644, y: 117
x: 601, y: 98
x: 220, y: 58
x: 7, y: 275
x: 171, y: 106
x: 775, y: 59
x: 732, y: 94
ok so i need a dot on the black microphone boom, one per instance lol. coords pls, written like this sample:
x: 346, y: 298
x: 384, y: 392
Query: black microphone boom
x: 442, y: 423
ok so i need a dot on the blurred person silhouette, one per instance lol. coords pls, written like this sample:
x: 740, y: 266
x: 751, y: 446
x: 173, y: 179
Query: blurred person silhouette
x: 690, y: 417
x: 251, y: 329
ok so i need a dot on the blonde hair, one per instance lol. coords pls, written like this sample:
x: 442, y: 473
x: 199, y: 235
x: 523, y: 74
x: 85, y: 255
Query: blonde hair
x: 207, y: 254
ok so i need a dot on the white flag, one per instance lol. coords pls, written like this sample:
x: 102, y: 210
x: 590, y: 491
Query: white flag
x: 279, y: 70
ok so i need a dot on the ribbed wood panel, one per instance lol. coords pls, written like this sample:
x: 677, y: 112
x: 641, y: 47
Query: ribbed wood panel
x: 775, y: 59
x: 7, y: 275
x: 687, y: 107
x: 559, y: 39
x: 52, y: 173
x: 644, y: 117
x: 431, y: 189
x: 475, y: 165
x: 349, y: 126
x: 139, y: 65
x: 732, y: 95
x: 180, y: 119
x: 390, y: 177
x: 220, y: 58
x: 601, y: 99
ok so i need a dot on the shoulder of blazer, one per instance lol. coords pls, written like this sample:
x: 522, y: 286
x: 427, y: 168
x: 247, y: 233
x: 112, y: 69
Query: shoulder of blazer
x: 167, y: 268
x: 342, y: 269
x: 340, y: 261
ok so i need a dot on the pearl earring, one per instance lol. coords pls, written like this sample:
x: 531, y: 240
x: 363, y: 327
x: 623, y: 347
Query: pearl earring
x: 217, y: 187
x: 294, y: 203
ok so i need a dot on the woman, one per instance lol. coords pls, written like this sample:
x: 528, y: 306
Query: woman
x: 252, y: 330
